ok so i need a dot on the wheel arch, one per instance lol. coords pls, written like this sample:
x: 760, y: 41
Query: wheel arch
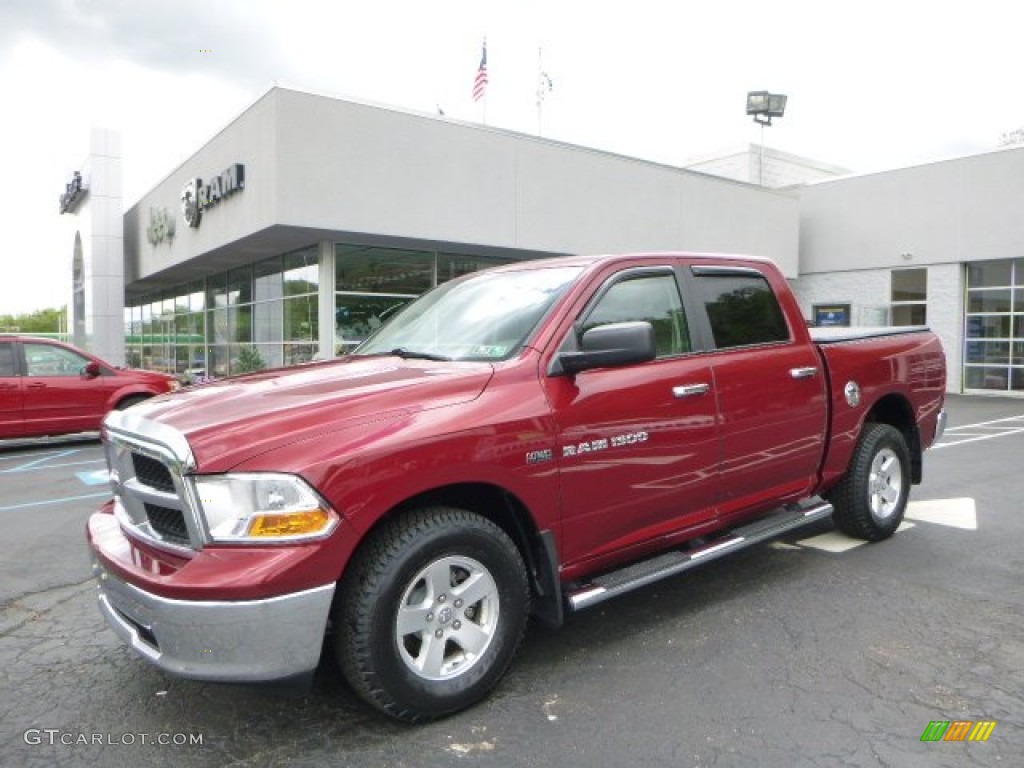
x: 507, y: 511
x: 895, y: 410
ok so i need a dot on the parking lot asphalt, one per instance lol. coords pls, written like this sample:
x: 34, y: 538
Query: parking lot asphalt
x: 810, y: 651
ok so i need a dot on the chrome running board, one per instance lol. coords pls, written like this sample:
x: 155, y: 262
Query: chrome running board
x: 614, y: 583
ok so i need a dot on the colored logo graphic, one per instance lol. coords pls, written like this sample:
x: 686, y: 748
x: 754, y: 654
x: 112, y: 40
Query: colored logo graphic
x: 958, y: 730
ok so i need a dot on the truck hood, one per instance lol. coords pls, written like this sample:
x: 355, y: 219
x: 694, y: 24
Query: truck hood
x: 229, y: 421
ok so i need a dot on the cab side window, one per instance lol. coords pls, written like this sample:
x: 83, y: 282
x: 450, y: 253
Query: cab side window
x: 742, y: 309
x: 46, y: 360
x: 6, y: 359
x: 651, y: 298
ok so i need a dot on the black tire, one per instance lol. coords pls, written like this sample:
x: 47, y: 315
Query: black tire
x: 409, y: 675
x: 131, y: 400
x: 871, y: 499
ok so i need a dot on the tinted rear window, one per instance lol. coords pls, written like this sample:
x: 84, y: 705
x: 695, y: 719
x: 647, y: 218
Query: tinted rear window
x: 742, y: 309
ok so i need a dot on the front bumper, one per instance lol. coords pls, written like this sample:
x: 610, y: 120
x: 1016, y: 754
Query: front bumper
x: 225, y: 641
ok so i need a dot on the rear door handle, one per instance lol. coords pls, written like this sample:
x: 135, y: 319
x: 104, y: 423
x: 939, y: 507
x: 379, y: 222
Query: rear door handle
x: 803, y: 373
x: 689, y: 390
x: 36, y: 385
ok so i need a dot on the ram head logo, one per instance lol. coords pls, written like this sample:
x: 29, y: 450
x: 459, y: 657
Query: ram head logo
x: 190, y: 202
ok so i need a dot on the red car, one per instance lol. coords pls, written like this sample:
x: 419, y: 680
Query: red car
x: 50, y: 388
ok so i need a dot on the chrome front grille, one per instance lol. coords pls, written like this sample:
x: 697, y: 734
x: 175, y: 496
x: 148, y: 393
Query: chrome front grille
x: 148, y: 462
x: 169, y: 523
x: 153, y: 473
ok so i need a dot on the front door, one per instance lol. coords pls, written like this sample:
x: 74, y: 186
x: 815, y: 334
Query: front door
x: 638, y: 444
x: 59, y: 396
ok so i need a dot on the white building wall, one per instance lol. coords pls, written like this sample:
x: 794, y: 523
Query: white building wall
x: 98, y: 223
x: 781, y: 169
x: 334, y: 168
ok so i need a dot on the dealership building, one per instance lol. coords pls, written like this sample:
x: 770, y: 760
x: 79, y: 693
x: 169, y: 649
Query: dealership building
x: 308, y: 220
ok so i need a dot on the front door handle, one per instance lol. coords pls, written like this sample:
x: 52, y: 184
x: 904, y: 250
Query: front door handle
x: 36, y: 385
x: 803, y: 373
x: 689, y: 390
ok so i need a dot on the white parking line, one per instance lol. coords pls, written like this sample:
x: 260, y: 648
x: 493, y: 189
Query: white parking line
x: 45, y: 467
x: 836, y: 542
x: 46, y: 502
x: 41, y: 459
x: 957, y: 513
x: 982, y: 430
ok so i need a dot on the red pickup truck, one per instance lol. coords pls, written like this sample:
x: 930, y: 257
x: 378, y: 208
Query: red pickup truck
x: 533, y: 439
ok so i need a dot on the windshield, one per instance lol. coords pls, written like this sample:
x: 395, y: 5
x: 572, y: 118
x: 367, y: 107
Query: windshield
x: 487, y: 316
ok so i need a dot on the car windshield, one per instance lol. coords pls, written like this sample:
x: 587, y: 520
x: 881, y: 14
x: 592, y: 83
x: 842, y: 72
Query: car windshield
x: 486, y: 316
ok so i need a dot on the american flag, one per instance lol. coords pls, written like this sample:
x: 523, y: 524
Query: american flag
x: 480, y: 84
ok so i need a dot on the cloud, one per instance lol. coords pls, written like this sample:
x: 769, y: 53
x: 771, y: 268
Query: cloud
x: 228, y: 38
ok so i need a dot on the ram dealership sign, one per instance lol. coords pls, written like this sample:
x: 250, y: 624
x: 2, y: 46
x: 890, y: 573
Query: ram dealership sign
x: 197, y: 197
x: 74, y: 191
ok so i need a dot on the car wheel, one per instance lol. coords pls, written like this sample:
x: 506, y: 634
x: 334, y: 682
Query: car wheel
x: 430, y: 613
x: 871, y: 499
x: 131, y: 400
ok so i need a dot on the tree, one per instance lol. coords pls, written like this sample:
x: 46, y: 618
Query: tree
x: 249, y: 359
x: 40, y: 321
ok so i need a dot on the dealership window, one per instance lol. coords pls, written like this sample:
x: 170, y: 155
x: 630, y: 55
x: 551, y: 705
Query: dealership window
x: 909, y: 297
x: 270, y: 308
x: 994, y: 326
x: 372, y: 283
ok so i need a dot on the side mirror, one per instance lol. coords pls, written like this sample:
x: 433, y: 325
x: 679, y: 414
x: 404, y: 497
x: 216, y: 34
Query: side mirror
x: 91, y: 369
x: 611, y: 345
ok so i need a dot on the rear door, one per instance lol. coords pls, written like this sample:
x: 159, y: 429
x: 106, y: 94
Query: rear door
x: 638, y: 444
x: 59, y: 396
x: 769, y: 384
x: 10, y: 392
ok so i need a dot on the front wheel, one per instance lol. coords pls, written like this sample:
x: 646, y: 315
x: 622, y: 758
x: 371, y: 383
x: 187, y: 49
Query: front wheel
x: 431, y: 613
x: 871, y: 499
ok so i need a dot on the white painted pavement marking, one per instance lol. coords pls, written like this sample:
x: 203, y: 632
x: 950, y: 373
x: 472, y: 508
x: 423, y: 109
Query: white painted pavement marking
x: 45, y: 467
x: 836, y: 542
x: 982, y: 430
x: 956, y: 513
x: 96, y: 477
x: 40, y: 460
x: 782, y: 545
x: 46, y: 502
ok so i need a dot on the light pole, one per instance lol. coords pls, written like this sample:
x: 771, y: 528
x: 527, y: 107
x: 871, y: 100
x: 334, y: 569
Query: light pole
x: 764, y: 106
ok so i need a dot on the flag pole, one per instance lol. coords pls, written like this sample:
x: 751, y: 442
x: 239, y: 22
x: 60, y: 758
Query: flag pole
x: 544, y: 87
x: 540, y: 98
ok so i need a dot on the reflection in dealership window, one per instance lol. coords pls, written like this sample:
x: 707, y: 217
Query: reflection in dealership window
x: 357, y: 316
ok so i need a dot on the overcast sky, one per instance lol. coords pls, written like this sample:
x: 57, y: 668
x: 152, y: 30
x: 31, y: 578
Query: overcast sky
x: 872, y: 85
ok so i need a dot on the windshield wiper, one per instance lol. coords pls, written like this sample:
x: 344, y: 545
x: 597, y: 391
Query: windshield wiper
x: 411, y: 354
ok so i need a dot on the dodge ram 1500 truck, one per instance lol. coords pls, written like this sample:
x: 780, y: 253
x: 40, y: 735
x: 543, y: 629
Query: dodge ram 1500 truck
x: 528, y: 440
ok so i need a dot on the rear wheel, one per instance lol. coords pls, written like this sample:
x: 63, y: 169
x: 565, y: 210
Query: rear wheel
x: 431, y: 613
x: 871, y: 499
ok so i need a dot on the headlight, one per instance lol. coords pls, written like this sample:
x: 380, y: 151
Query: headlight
x: 262, y: 507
